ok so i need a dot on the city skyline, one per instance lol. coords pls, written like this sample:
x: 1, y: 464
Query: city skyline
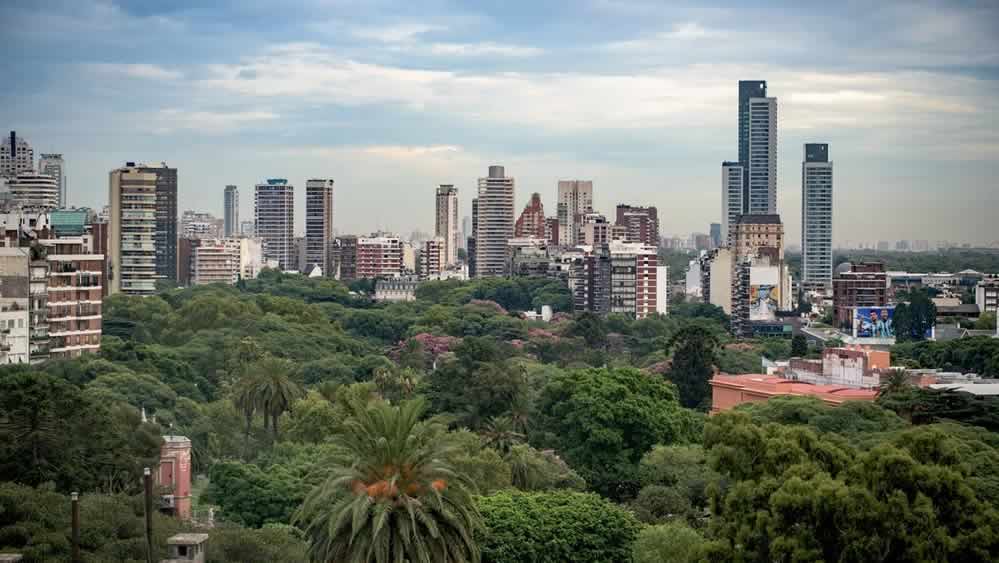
x: 647, y: 115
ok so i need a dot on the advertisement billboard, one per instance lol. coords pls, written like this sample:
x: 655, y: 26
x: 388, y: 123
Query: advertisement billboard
x: 874, y: 322
x: 763, y: 302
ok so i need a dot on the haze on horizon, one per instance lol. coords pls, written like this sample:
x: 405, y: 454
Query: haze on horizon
x: 391, y: 98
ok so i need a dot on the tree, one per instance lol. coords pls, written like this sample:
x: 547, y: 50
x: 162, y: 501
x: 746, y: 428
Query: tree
x: 604, y: 420
x: 533, y: 470
x: 267, y: 386
x: 674, y: 542
x: 554, y: 527
x: 591, y: 328
x: 500, y: 435
x: 896, y: 382
x: 398, y: 498
x: 917, y: 317
x: 694, y: 356
x: 799, y: 346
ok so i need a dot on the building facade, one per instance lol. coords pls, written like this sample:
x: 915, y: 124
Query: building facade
x: 318, y: 223
x: 200, y: 225
x: 446, y: 221
x: 864, y: 284
x: 15, y: 321
x: 230, y: 211
x: 378, y: 257
x: 633, y: 279
x: 166, y: 219
x: 531, y: 222
x: 433, y: 258
x: 16, y: 156
x: 74, y: 288
x: 762, y: 176
x: 733, y: 182
x: 753, y: 233
x: 53, y: 165
x: 493, y: 218
x: 274, y: 221
x: 31, y: 190
x: 132, y: 231
x: 641, y: 224
x: 575, y: 200
x: 987, y: 295
x: 816, y: 217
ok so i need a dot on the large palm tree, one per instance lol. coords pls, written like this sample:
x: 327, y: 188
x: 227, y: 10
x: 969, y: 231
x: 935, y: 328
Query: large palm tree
x: 397, y: 498
x: 274, y: 389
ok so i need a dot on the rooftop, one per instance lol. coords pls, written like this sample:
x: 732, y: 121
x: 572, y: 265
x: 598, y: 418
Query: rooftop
x: 748, y: 219
x: 187, y: 539
x: 980, y: 389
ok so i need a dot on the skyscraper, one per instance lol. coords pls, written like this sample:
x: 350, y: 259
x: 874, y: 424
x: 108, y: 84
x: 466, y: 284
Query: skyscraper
x: 446, y: 223
x: 494, y: 226
x: 816, y: 217
x: 733, y: 184
x: 16, y: 156
x: 575, y: 200
x: 318, y: 223
x: 53, y: 165
x: 274, y: 215
x: 531, y: 222
x: 762, y: 177
x: 166, y: 219
x: 641, y: 224
x: 230, y: 211
x: 131, y: 251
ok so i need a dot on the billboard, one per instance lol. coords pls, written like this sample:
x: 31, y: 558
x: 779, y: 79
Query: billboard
x: 874, y: 322
x: 764, y: 293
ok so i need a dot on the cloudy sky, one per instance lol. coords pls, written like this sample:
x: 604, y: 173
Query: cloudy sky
x: 392, y: 98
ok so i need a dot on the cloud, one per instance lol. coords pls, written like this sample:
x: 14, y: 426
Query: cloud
x: 482, y: 49
x: 208, y: 122
x: 397, y: 33
x: 140, y: 70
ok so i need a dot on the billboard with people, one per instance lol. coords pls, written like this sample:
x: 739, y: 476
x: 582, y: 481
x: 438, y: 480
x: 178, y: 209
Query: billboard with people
x: 874, y: 322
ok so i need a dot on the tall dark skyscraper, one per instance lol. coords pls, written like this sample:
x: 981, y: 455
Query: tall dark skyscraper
x: 758, y: 147
x: 166, y: 219
x: 230, y: 211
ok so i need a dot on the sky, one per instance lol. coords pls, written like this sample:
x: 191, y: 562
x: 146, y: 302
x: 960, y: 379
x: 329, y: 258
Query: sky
x: 391, y: 98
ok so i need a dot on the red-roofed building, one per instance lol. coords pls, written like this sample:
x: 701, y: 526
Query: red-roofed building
x: 729, y: 391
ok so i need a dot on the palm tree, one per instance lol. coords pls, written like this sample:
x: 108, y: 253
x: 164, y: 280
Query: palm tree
x: 897, y: 381
x: 397, y: 498
x: 274, y: 389
x: 500, y: 435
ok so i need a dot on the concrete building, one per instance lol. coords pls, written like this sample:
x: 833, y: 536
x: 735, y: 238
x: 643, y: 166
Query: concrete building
x: 201, y: 225
x: 717, y: 269
x: 863, y: 284
x: 214, y: 261
x: 318, y: 224
x: 14, y: 305
x: 446, y: 222
x: 30, y: 190
x: 633, y: 279
x: 16, y: 156
x: 754, y: 233
x: 532, y: 222
x: 396, y: 290
x: 762, y: 174
x: 552, y: 231
x: 174, y: 475
x: 590, y: 281
x: 274, y: 221
x: 987, y: 295
x: 733, y: 182
x: 816, y: 217
x: 575, y: 200
x: 494, y: 223
x: 378, y: 256
x: 73, y: 297
x: 230, y: 211
x: 716, y: 235
x: 641, y: 224
x: 132, y: 231
x: 857, y: 367
x: 166, y: 218
x: 596, y: 230
x: 345, y: 258
x: 662, y: 290
x: 53, y: 165
x: 433, y: 258
x: 247, y: 229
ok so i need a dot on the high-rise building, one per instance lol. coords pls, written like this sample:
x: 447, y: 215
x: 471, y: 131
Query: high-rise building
x: 446, y: 222
x: 466, y: 230
x: 552, y: 231
x: 575, y: 201
x: 641, y: 224
x: 590, y: 281
x: 14, y: 305
x: 166, y: 219
x: 633, y: 279
x: 759, y: 234
x: 716, y: 231
x: 432, y: 258
x: 762, y: 165
x: 318, y: 223
x: 16, y: 156
x: 230, y: 211
x: 531, y: 222
x: 816, y: 217
x: 378, y: 256
x: 131, y: 255
x: 53, y: 165
x: 200, y: 225
x: 30, y: 190
x: 274, y: 220
x: 495, y: 223
x: 247, y: 229
x: 863, y: 284
x: 71, y: 293
x: 733, y: 180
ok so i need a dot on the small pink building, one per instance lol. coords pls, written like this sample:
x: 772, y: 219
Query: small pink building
x: 728, y: 391
x: 175, y: 475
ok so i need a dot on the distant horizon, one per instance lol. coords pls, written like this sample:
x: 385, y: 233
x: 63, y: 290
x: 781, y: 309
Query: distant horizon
x: 391, y: 99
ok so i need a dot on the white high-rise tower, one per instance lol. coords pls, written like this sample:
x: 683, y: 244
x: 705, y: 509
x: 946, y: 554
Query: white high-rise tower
x: 494, y: 226
x: 575, y: 201
x: 816, y: 217
x: 53, y: 165
x: 446, y: 224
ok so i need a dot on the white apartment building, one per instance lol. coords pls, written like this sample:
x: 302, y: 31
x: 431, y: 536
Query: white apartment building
x: 732, y: 204
x: 14, y: 305
x: 16, y: 156
x: 53, y: 165
x: 816, y: 217
x: 31, y: 190
x: 132, y: 229
x: 433, y: 258
x: 634, y: 279
x: 494, y: 226
x: 575, y: 201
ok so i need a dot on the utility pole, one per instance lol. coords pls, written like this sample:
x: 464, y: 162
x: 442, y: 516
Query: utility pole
x: 75, y: 505
x: 147, y: 478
